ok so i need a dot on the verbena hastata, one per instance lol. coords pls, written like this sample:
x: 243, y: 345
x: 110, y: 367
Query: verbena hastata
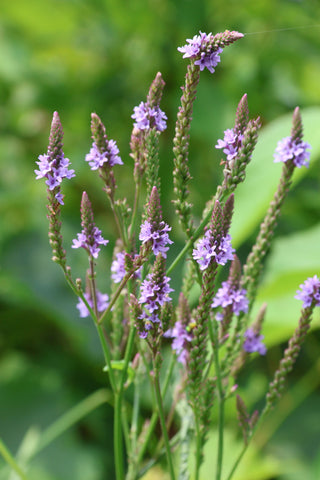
x: 212, y: 337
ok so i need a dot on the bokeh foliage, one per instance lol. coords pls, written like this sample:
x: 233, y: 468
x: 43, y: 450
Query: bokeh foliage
x: 79, y: 56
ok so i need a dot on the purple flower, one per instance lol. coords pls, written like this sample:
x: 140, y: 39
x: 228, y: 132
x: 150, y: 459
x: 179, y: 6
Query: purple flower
x: 198, y: 46
x: 90, y: 241
x: 118, y: 268
x: 209, y: 60
x: 207, y: 249
x: 54, y: 171
x: 231, y: 143
x: 155, y: 292
x: 146, y: 117
x: 295, y: 150
x: 310, y: 292
x: 102, y: 303
x: 253, y: 342
x: 193, y: 47
x: 159, y: 237
x: 110, y: 156
x: 181, y: 337
x: 228, y: 295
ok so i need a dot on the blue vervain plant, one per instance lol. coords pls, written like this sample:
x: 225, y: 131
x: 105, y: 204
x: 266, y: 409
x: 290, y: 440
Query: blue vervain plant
x: 210, y: 339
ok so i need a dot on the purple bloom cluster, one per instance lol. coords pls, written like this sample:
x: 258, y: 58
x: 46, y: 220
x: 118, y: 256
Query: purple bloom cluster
x: 231, y: 143
x: 109, y: 156
x: 102, y: 303
x: 159, y: 237
x: 206, y: 249
x: 253, y: 342
x: 146, y: 117
x: 288, y: 149
x: 118, y: 268
x: 54, y: 171
x: 90, y: 241
x: 197, y: 46
x: 310, y: 291
x: 181, y: 337
x: 153, y: 295
x: 229, y: 295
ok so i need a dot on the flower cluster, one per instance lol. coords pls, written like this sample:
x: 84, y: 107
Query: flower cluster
x: 207, y: 249
x: 154, y: 293
x: 54, y: 171
x: 118, y: 268
x: 253, y: 342
x: 295, y: 150
x: 181, y: 337
x: 231, y: 143
x: 97, y: 159
x: 159, y: 237
x: 228, y: 295
x: 197, y: 46
x: 310, y: 292
x: 102, y: 303
x: 146, y: 117
x: 90, y: 241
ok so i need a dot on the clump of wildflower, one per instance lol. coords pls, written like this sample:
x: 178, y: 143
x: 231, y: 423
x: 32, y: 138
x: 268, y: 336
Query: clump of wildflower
x: 97, y: 158
x: 118, y: 268
x: 90, y: 237
x: 207, y: 249
x: 198, y: 46
x: 292, y: 149
x: 181, y: 336
x: 229, y: 295
x: 147, y: 117
x: 102, y: 303
x: 231, y: 143
x: 54, y: 170
x: 253, y: 342
x: 154, y: 293
x: 310, y: 292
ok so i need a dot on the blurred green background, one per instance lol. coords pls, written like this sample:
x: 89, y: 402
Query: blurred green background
x: 82, y: 56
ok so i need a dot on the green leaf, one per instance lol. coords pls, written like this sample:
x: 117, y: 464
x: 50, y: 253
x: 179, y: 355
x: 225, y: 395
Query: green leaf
x: 119, y: 365
x: 253, y: 196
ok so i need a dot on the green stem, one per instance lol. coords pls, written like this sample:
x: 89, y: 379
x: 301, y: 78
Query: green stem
x: 215, y: 346
x: 198, y: 448
x: 117, y: 438
x: 163, y: 424
x: 154, y: 417
x: 8, y: 457
x: 135, y: 209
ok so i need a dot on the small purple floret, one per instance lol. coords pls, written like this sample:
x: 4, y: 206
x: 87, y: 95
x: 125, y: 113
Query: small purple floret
x: 102, y: 303
x: 206, y: 249
x: 54, y: 171
x: 180, y: 337
x: 198, y: 46
x: 231, y: 143
x: 146, y: 117
x: 228, y: 295
x: 253, y: 342
x: 287, y: 149
x: 118, y: 268
x: 109, y: 156
x: 91, y: 244
x: 159, y: 237
x: 310, y: 292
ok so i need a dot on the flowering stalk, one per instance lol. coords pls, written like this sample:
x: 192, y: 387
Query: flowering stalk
x: 293, y: 154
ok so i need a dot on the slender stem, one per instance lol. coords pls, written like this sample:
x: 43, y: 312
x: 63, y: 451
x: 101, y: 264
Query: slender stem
x: 154, y: 417
x: 156, y: 385
x: 117, y: 438
x: 198, y: 448
x: 8, y: 457
x: 135, y: 209
x: 214, y: 335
